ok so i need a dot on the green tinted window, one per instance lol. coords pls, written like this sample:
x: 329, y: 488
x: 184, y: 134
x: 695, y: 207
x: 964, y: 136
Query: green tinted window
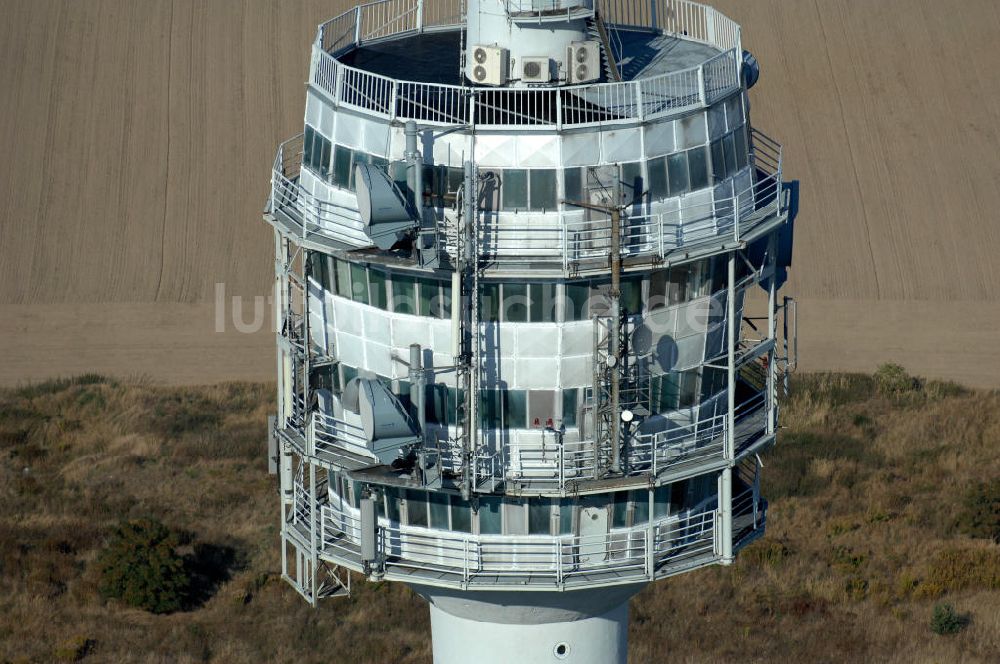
x: 573, y: 184
x: 460, y: 515
x: 514, y: 189
x: 740, y: 144
x: 565, y: 516
x: 439, y: 510
x: 515, y: 303
x: 730, y: 150
x: 698, y: 167
x: 543, y: 189
x: 539, y: 516
x: 640, y: 502
x: 343, y: 278
x: 657, y: 173
x: 576, y: 301
x: 489, y: 302
x: 543, y: 302
x: 632, y: 182
x: 341, y: 166
x: 517, y: 409
x: 661, y: 501
x: 631, y: 295
x: 359, y: 283
x: 428, y: 296
x: 620, y: 512
x: 490, y: 521
x: 416, y: 508
x: 404, y: 298
x: 377, y: 289
x: 718, y: 161
x: 570, y: 405
x: 677, y: 173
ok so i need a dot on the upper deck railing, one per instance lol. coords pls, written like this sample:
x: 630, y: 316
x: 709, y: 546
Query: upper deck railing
x: 623, y: 102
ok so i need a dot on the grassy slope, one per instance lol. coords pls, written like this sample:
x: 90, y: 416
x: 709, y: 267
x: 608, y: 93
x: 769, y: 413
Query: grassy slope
x: 866, y: 493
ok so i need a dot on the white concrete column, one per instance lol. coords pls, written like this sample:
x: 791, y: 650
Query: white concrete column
x: 586, y: 626
x: 600, y: 639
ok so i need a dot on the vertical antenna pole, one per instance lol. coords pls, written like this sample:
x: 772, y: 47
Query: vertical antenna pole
x: 615, y: 349
x: 415, y: 177
x: 726, y: 479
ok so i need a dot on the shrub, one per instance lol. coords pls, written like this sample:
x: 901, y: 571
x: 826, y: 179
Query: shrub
x: 892, y: 379
x: 75, y: 649
x: 980, y: 515
x: 141, y: 567
x: 946, y: 621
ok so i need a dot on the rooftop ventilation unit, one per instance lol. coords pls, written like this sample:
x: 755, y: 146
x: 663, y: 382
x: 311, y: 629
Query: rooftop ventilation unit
x: 583, y: 62
x: 488, y: 65
x: 535, y: 70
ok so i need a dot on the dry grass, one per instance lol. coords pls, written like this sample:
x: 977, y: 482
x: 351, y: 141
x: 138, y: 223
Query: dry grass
x: 871, y: 491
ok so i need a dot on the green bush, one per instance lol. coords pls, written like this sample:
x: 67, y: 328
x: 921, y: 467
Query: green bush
x: 980, y: 514
x: 892, y: 379
x: 946, y: 621
x: 141, y: 567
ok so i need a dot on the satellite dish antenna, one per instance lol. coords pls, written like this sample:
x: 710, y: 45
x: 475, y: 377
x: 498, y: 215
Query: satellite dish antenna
x: 383, y: 209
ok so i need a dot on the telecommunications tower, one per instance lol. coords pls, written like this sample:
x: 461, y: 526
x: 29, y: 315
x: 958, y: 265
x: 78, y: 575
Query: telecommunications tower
x: 527, y: 262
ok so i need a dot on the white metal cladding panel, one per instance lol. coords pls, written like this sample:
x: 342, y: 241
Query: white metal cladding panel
x: 408, y: 330
x: 659, y: 138
x: 349, y: 131
x: 540, y: 340
x: 450, y: 150
x: 348, y: 316
x: 696, y: 206
x: 690, y: 352
x: 621, y: 145
x: 377, y: 326
x: 397, y: 143
x: 378, y: 358
x: 441, y: 335
x: 580, y: 149
x: 536, y: 373
x: 691, y: 318
x: 578, y: 337
x: 350, y: 348
x: 691, y: 131
x: 538, y: 151
x: 319, y: 114
x: 493, y: 151
x: 375, y: 138
x: 576, y: 371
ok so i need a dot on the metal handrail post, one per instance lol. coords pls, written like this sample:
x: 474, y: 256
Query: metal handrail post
x: 420, y: 16
x: 357, y: 25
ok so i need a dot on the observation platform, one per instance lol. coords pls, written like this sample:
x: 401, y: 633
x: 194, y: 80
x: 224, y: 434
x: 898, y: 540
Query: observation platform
x: 434, y: 57
x: 647, y: 552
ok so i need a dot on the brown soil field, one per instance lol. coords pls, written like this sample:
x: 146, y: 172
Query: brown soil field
x: 137, y: 139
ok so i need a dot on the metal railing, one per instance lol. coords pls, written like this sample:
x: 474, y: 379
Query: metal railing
x: 445, y: 557
x: 568, y: 106
x: 694, y: 221
x: 565, y: 238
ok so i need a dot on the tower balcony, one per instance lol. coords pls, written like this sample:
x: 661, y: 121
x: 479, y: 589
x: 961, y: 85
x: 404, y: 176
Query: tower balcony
x: 659, y: 548
x: 564, y: 242
x: 553, y: 463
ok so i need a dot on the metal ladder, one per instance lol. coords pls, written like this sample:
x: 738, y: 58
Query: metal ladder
x: 599, y: 31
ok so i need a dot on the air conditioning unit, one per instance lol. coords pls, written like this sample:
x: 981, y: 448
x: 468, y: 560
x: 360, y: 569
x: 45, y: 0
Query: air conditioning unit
x: 535, y: 70
x: 487, y: 65
x: 583, y: 62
